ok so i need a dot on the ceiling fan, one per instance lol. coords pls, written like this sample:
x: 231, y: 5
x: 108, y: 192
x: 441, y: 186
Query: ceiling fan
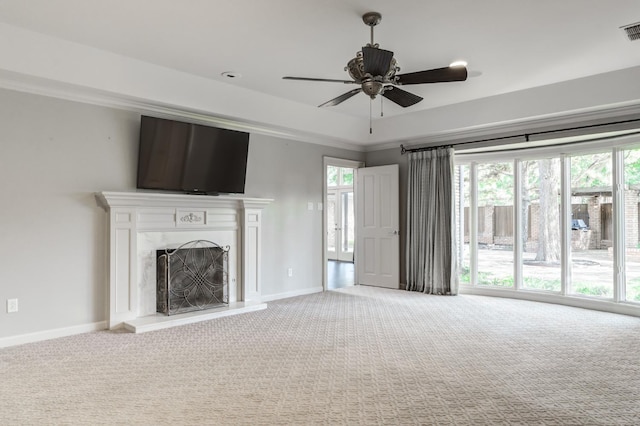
x: 376, y: 71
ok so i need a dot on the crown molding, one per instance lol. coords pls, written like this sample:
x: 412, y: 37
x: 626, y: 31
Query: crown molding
x: 557, y: 121
x: 87, y: 95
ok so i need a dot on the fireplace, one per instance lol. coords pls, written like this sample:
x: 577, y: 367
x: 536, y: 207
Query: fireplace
x: 193, y: 277
x: 141, y: 223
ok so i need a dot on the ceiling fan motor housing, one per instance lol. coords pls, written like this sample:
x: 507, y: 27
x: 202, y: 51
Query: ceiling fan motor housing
x: 372, y: 88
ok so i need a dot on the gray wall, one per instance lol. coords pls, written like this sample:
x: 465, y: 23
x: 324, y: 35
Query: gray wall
x: 291, y: 173
x: 384, y: 158
x: 56, y: 154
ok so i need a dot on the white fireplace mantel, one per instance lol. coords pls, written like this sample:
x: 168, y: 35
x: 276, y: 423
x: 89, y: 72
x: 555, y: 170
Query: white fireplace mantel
x: 135, y: 218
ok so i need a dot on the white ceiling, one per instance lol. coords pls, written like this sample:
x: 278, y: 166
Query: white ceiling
x: 510, y: 45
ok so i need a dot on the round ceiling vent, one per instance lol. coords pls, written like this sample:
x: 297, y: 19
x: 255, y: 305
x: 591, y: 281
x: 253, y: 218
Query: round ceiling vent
x: 231, y: 74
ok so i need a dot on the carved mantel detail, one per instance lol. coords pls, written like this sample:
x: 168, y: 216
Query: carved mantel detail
x: 192, y: 217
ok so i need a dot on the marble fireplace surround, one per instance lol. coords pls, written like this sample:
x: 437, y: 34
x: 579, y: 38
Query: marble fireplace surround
x: 142, y: 222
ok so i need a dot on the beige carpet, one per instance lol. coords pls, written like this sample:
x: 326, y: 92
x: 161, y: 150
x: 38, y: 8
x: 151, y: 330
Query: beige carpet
x: 357, y: 356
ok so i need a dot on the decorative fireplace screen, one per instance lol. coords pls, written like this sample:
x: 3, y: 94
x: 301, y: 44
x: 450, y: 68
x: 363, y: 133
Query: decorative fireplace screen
x: 192, y: 277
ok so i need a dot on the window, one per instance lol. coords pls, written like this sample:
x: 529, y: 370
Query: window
x: 495, y: 213
x: 631, y: 158
x: 462, y: 226
x: 552, y: 222
x: 339, y: 176
x: 591, y: 259
x: 541, y: 233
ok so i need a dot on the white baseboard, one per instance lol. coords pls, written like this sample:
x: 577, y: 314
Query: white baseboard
x: 51, y: 334
x: 294, y: 293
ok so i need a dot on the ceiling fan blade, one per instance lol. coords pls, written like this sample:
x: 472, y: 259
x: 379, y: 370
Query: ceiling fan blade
x: 341, y: 98
x: 376, y: 61
x: 401, y: 97
x: 438, y: 75
x: 319, y: 79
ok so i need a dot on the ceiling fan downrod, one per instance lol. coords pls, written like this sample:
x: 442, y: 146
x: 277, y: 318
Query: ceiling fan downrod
x: 372, y: 19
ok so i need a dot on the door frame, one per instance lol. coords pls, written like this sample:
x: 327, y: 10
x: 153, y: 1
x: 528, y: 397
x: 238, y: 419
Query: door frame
x: 337, y: 162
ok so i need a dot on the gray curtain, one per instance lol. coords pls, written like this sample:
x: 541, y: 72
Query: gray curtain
x: 431, y: 254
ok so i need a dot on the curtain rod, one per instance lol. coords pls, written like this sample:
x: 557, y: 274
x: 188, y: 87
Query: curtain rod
x: 404, y: 150
x: 526, y: 136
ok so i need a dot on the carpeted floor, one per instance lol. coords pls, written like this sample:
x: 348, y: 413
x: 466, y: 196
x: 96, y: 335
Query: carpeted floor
x: 353, y: 356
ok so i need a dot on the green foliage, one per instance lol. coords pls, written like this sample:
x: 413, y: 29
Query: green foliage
x: 589, y: 289
x: 484, y: 278
x: 495, y: 180
x: 632, y: 167
x: 534, y: 283
x: 347, y: 176
x: 487, y: 278
x: 332, y: 176
x: 339, y: 176
x: 495, y: 184
x: 588, y: 171
x: 465, y: 275
x: 633, y: 289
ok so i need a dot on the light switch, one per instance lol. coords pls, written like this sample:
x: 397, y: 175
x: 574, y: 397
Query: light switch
x: 319, y: 206
x: 309, y: 206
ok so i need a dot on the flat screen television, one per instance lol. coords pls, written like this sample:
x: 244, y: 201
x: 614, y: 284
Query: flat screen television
x: 191, y: 158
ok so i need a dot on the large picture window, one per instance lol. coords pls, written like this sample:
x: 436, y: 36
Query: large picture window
x: 553, y: 222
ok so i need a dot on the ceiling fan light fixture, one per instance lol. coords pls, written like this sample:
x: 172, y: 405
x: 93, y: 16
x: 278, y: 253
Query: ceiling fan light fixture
x: 455, y: 64
x: 372, y: 88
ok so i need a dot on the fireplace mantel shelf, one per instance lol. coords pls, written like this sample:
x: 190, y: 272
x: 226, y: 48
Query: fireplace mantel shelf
x: 161, y: 199
x: 142, y: 222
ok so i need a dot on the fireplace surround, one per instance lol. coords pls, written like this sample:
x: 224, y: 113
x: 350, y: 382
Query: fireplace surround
x: 140, y: 223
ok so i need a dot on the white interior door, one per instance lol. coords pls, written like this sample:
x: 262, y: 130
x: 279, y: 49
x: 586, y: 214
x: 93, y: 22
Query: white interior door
x: 377, y: 219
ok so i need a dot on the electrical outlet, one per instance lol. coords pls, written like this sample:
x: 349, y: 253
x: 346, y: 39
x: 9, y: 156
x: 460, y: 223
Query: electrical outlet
x: 12, y: 305
x: 290, y: 272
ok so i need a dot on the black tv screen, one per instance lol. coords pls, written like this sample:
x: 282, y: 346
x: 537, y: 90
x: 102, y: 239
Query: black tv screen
x: 192, y: 158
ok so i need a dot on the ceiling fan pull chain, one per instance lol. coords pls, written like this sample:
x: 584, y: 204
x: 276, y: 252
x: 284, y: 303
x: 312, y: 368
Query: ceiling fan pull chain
x: 370, y: 115
x: 381, y: 107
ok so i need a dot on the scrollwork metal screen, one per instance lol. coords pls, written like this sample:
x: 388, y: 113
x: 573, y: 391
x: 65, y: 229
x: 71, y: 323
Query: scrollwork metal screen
x: 192, y: 277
